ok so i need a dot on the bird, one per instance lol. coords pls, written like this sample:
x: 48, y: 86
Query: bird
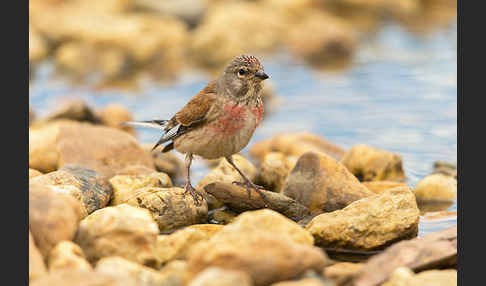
x: 217, y: 122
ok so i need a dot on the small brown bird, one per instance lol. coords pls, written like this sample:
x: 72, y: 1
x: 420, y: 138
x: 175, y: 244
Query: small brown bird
x: 219, y: 121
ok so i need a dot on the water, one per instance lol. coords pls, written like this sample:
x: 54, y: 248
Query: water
x: 400, y: 95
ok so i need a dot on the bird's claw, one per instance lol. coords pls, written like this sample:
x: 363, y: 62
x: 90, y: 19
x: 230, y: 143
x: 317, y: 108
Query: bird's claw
x: 194, y: 193
x: 249, y: 185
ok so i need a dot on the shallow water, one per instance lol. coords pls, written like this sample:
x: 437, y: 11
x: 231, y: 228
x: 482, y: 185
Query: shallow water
x: 400, y: 94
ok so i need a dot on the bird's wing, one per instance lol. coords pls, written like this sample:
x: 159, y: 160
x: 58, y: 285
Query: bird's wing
x: 194, y: 112
x: 197, y: 108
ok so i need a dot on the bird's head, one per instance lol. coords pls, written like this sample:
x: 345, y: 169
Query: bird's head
x: 242, y: 75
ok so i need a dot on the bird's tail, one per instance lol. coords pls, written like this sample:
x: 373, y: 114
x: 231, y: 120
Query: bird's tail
x: 157, y: 124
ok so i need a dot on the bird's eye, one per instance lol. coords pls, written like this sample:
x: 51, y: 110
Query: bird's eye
x: 241, y: 72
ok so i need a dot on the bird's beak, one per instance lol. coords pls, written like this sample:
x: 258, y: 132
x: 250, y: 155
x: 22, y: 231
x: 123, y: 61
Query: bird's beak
x: 261, y: 75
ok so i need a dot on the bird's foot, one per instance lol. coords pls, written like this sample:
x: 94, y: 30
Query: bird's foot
x: 249, y: 186
x: 194, y: 193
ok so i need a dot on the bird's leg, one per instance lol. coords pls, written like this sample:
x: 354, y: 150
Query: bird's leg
x: 247, y: 184
x: 189, y: 188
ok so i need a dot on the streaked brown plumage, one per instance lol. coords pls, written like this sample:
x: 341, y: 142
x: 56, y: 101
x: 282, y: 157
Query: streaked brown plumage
x: 220, y: 120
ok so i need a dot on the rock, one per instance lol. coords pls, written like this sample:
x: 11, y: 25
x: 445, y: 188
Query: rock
x: 123, y: 230
x: 222, y: 35
x: 113, y: 115
x: 301, y: 282
x: 236, y: 198
x: 379, y: 187
x: 38, y: 48
x: 224, y: 172
x: 124, y: 186
x: 81, y: 278
x: 342, y: 272
x: 275, y: 168
x: 370, y: 223
x: 322, y: 184
x: 169, y: 207
x: 263, y: 256
x: 43, y: 155
x: 215, y: 276
x: 268, y: 221
x: 83, y: 59
x: 213, y: 163
x: 103, y: 149
x: 34, y: 173
x: 249, y: 244
x: 178, y: 244
x: 87, y: 186
x: 135, y: 170
x: 53, y: 217
x: 167, y: 163
x: 107, y: 6
x: 436, y: 250
x: 434, y: 206
x: 445, y: 168
x: 371, y: 164
x: 67, y: 255
x: 400, y: 8
x: 37, y: 268
x: 122, y: 268
x: 175, y: 273
x: 114, y: 64
x: 76, y: 110
x: 322, y: 39
x: 259, y: 149
x: 436, y: 188
x: 76, y: 58
x: 296, y: 144
x: 190, y: 11
x: 163, y: 36
x: 221, y: 216
x: 403, y: 276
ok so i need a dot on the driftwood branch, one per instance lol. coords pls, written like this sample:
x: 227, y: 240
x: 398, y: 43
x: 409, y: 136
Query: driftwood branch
x: 236, y: 198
